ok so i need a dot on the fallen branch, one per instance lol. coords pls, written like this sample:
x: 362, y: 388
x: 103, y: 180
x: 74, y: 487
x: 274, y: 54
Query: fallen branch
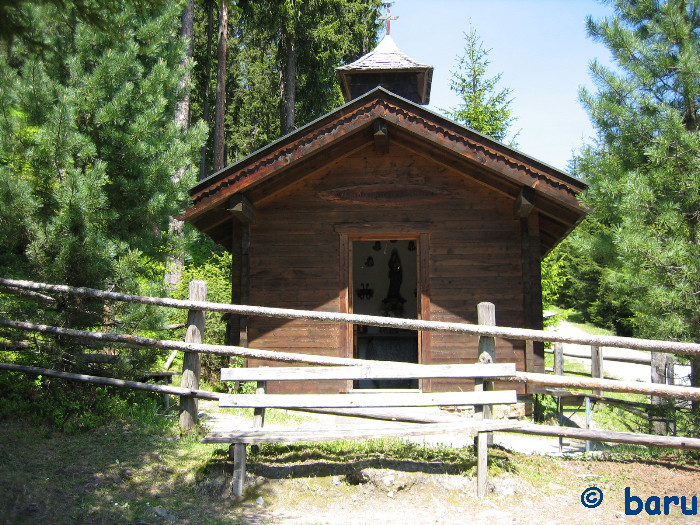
x: 28, y: 294
x: 15, y: 345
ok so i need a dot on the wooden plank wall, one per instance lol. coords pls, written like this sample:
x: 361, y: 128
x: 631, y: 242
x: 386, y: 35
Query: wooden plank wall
x: 474, y: 256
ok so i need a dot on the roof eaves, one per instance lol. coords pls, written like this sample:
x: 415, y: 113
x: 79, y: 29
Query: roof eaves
x: 272, y: 145
x: 455, y: 129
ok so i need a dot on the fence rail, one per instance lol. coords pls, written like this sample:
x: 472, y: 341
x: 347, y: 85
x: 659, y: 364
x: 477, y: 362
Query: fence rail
x: 610, y: 385
x: 522, y: 334
x: 39, y: 291
x: 109, y: 381
x: 634, y: 360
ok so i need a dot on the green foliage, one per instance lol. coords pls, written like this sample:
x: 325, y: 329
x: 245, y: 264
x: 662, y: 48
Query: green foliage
x: 634, y: 264
x: 88, y: 146
x: 554, y: 277
x: 574, y: 277
x: 216, y: 271
x: 387, y: 449
x: 265, y: 39
x: 17, y: 23
x: 483, y: 107
x: 69, y: 406
x: 544, y: 408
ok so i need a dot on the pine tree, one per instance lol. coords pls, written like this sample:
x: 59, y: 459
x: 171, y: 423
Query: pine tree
x: 644, y: 170
x: 88, y: 145
x: 482, y: 107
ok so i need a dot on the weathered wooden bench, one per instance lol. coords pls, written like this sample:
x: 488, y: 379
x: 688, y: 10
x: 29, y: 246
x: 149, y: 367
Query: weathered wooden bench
x: 239, y: 439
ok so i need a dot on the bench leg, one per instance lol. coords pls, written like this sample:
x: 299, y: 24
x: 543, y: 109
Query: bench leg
x: 239, y: 460
x: 166, y: 397
x: 482, y: 469
x: 560, y: 410
x: 259, y: 413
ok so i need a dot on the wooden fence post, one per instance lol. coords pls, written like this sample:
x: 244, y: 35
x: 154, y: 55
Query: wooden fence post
x: 559, y: 371
x: 259, y: 413
x: 530, y: 363
x: 597, y: 366
x: 661, y: 373
x: 486, y: 315
x: 239, y: 465
x: 558, y: 359
x: 192, y: 360
x: 481, y: 443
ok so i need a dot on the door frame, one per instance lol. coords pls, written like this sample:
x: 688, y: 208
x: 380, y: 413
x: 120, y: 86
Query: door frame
x: 419, y: 232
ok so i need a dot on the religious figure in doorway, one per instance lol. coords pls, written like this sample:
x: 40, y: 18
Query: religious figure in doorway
x: 393, y: 302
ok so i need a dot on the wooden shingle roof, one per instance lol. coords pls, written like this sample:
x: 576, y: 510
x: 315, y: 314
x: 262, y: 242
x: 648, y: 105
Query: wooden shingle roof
x: 350, y: 127
x: 388, y: 66
x: 386, y: 56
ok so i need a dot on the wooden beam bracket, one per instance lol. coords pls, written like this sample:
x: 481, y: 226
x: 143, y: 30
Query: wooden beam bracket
x: 242, y: 209
x: 525, y: 202
x: 381, y: 136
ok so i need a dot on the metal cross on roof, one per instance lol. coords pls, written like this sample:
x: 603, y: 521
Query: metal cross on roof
x: 388, y: 18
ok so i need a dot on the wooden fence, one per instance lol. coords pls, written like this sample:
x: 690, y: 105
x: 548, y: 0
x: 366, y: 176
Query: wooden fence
x: 193, y: 348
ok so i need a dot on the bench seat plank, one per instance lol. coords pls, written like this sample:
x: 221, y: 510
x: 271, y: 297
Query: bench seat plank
x: 491, y: 397
x: 296, y: 435
x: 380, y: 371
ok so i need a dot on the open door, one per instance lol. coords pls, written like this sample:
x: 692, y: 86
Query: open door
x: 384, y: 280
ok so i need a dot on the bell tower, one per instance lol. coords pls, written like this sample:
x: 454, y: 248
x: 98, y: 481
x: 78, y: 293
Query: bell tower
x: 386, y: 66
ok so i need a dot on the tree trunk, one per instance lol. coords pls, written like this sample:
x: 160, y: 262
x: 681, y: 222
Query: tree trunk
x: 291, y: 83
x: 288, y: 71
x: 203, y: 164
x: 182, y: 113
x: 175, y: 263
x: 219, y: 137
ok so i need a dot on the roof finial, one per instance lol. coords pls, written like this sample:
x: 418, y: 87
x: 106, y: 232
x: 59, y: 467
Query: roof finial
x: 388, y: 17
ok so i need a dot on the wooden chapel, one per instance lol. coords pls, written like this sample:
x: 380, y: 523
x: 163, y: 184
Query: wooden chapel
x: 382, y: 207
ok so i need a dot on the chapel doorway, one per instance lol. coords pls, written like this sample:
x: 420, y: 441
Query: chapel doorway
x: 385, y: 282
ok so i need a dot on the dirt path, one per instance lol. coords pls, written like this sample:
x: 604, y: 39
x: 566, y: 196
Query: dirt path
x: 534, y: 482
x: 539, y: 490
x: 527, y: 487
x: 120, y: 475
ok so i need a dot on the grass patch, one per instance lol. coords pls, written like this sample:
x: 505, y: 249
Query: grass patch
x: 383, y: 451
x: 136, y: 471
x: 130, y: 471
x: 621, y: 419
x: 143, y: 471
